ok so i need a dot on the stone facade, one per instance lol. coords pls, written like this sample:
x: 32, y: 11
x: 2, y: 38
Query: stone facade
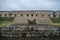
x: 32, y: 30
x: 26, y: 13
x: 31, y: 13
x: 24, y: 16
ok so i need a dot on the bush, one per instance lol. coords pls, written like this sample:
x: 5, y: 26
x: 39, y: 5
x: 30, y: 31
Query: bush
x: 55, y: 19
x: 4, y: 19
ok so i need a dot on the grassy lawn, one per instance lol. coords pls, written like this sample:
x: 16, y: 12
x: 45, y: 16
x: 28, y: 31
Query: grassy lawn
x: 6, y: 21
x: 55, y: 21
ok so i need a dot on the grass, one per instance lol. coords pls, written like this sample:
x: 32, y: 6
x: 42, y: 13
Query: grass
x: 58, y: 24
x: 6, y: 21
x: 55, y: 20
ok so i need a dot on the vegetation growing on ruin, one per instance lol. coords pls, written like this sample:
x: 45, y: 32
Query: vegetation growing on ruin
x: 6, y: 20
x: 55, y: 19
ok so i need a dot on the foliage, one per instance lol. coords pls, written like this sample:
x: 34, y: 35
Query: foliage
x: 55, y: 19
x: 6, y: 20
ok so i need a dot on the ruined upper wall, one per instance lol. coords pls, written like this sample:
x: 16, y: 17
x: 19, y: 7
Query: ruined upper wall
x: 31, y: 12
x: 26, y: 12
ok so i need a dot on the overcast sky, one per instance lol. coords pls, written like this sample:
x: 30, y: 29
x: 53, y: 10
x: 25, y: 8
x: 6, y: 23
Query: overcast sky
x: 29, y: 4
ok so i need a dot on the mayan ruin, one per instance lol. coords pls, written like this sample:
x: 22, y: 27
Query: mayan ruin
x: 29, y: 19
x: 23, y: 16
x: 26, y: 22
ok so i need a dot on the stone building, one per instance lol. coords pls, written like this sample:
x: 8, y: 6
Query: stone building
x: 23, y: 17
x: 30, y: 32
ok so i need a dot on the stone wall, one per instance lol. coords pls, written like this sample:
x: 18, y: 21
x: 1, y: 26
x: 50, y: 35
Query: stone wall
x: 17, y: 31
x: 29, y: 13
x: 24, y: 16
x: 25, y: 13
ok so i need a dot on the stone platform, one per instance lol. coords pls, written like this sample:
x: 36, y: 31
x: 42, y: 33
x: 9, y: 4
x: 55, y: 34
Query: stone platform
x: 30, y: 32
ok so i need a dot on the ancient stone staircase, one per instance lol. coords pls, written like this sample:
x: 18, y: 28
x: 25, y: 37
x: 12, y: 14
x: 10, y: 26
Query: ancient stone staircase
x: 24, y: 20
x: 44, y: 21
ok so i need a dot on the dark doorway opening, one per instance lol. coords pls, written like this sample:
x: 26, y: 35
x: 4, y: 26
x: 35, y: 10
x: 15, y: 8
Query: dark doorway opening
x: 23, y: 35
x: 42, y: 15
x: 32, y: 15
x: 49, y: 15
x: 0, y: 15
x: 10, y: 14
x: 5, y: 15
x: 21, y: 15
x: 15, y: 15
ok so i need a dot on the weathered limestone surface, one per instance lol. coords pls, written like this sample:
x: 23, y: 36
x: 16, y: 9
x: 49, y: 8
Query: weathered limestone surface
x: 17, y: 30
x: 22, y: 17
x: 39, y: 20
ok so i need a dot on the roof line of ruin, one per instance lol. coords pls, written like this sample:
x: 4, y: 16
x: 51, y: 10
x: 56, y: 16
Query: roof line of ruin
x: 31, y: 11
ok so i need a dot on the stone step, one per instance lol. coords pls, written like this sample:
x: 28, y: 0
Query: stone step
x: 23, y: 20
